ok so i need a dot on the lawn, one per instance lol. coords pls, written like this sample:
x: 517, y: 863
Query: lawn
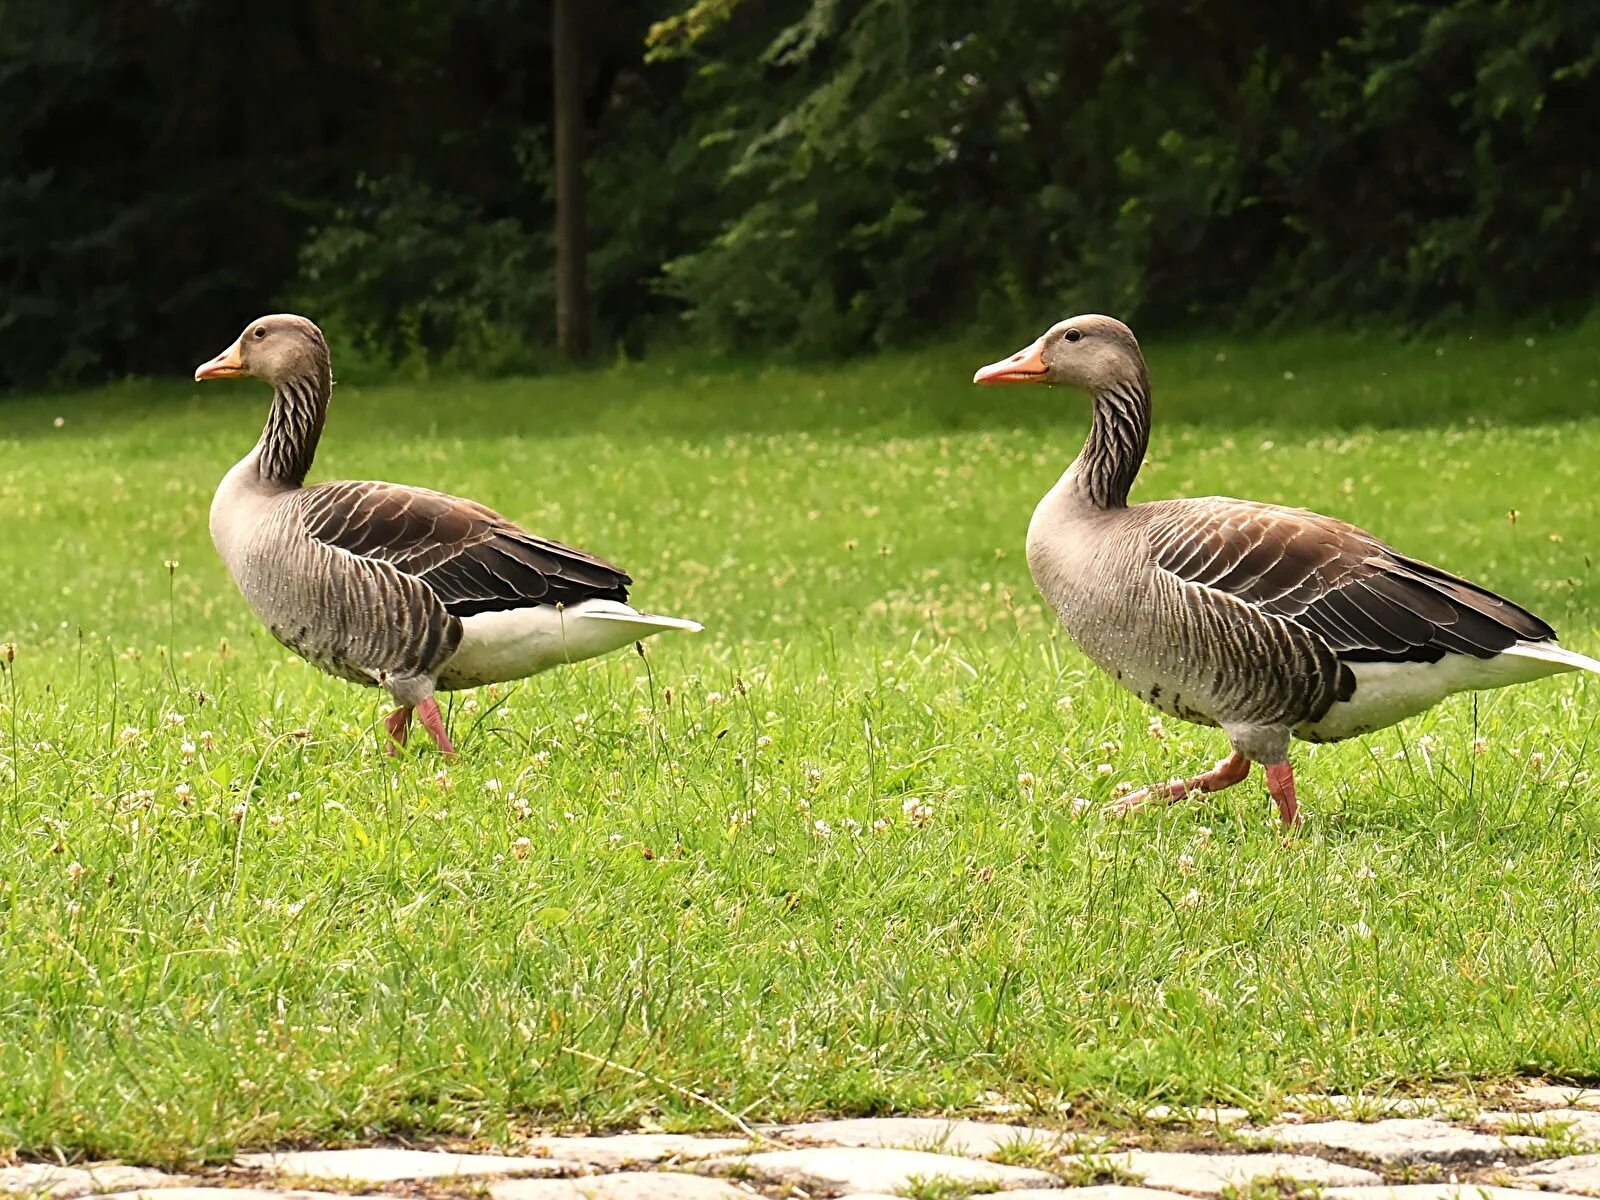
x: 828, y: 855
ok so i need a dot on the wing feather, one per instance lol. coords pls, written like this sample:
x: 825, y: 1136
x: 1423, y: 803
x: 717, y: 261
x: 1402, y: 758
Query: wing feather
x: 474, y: 559
x: 1367, y: 601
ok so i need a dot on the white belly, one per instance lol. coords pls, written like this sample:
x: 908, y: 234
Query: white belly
x: 501, y: 646
x: 1388, y: 693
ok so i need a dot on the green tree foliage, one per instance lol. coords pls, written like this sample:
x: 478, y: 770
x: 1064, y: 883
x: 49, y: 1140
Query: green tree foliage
x: 805, y: 176
x: 898, y: 168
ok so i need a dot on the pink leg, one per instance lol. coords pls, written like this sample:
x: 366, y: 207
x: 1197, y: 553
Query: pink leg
x: 1280, y: 785
x: 398, y: 723
x: 1231, y: 770
x: 428, y: 714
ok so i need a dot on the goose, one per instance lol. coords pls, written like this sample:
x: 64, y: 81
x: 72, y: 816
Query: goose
x: 389, y: 586
x: 1268, y: 622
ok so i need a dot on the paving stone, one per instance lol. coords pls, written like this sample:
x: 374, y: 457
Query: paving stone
x: 1169, y: 1114
x: 1108, y: 1191
x: 387, y: 1164
x: 1561, y: 1095
x: 610, y: 1153
x: 1434, y: 1191
x: 872, y: 1169
x: 1578, y: 1173
x: 64, y: 1183
x: 1580, y: 1124
x: 1209, y: 1174
x: 978, y: 1139
x: 625, y: 1185
x: 1398, y: 1139
x: 222, y: 1193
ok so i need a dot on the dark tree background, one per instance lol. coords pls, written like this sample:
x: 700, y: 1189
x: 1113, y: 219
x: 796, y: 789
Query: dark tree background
x: 799, y: 176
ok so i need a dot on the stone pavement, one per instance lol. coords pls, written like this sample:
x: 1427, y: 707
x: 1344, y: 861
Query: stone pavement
x: 1535, y: 1141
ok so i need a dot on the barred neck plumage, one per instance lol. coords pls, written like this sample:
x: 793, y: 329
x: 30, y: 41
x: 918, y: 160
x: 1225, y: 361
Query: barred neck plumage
x: 1114, y: 451
x: 294, y: 426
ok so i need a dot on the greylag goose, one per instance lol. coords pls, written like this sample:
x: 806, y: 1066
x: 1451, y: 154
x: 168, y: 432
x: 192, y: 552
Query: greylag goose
x: 1268, y: 622
x: 396, y: 587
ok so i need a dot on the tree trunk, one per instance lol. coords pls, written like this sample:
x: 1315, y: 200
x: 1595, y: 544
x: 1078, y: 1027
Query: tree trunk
x: 572, y: 286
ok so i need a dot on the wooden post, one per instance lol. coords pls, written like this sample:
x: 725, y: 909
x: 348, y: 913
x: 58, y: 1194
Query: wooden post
x: 572, y: 285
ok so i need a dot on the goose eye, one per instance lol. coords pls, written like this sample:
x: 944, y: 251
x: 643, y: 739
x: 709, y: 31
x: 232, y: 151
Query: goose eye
x: 261, y: 331
x: 1073, y: 335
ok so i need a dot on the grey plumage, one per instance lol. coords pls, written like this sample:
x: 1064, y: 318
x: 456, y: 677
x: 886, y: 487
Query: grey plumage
x: 391, y: 586
x: 1269, y: 622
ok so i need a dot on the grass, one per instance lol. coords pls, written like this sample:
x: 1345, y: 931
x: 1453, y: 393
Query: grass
x: 825, y: 856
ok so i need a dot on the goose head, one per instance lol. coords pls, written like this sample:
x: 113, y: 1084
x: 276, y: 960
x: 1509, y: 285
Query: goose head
x: 275, y: 349
x: 1092, y: 353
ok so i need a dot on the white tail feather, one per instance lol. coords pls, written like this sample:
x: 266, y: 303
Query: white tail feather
x: 1559, y: 656
x: 612, y: 610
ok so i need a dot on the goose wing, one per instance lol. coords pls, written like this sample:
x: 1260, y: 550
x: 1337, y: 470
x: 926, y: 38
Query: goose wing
x: 472, y: 558
x: 1368, y: 602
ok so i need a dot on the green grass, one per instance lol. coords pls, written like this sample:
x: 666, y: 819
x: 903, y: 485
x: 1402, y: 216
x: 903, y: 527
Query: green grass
x: 795, y: 863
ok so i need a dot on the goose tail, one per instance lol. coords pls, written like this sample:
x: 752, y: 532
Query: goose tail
x: 1559, y: 657
x: 613, y: 610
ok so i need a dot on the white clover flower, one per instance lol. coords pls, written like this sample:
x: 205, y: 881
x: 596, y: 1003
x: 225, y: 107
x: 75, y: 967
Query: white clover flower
x: 521, y: 847
x: 822, y: 828
x: 491, y: 785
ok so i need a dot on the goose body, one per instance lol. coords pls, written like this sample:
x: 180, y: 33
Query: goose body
x: 390, y: 586
x: 1268, y: 622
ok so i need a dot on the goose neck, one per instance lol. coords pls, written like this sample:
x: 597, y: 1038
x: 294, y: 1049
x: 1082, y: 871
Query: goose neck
x: 294, y: 427
x: 1104, y: 471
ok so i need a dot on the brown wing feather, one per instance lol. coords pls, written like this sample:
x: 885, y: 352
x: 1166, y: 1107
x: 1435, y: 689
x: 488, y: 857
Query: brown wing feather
x: 473, y: 558
x: 1368, y: 602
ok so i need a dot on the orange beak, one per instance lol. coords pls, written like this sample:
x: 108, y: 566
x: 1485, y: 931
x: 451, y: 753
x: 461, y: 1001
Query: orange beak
x: 224, y: 366
x: 1025, y: 366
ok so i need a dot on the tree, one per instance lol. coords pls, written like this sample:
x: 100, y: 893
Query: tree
x: 572, y: 292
